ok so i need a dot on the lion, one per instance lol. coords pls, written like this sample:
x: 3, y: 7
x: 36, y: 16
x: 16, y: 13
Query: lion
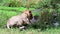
x: 20, y: 20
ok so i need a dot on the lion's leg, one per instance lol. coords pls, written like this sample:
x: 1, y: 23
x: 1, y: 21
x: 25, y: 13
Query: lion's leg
x: 22, y: 28
x: 8, y: 26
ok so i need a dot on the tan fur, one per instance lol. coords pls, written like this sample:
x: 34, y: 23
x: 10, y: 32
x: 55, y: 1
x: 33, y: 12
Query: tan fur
x: 21, y: 19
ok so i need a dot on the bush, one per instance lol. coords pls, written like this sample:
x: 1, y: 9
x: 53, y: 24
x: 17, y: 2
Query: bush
x: 13, y: 4
x: 27, y: 3
x: 58, y: 18
x: 46, y: 17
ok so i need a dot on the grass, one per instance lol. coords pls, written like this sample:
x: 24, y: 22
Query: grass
x: 29, y: 31
x: 14, y: 8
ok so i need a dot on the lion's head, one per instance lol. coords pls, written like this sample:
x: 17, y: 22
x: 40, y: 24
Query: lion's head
x: 29, y: 14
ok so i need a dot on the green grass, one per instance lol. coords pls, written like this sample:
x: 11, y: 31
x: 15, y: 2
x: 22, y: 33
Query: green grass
x: 14, y: 8
x: 29, y: 31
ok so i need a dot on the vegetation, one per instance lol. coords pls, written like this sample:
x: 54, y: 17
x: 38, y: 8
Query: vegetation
x: 30, y: 31
x: 25, y: 3
x: 9, y: 8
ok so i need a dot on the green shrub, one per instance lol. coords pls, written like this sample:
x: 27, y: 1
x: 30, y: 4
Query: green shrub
x: 46, y: 17
x: 58, y: 18
x: 14, y: 4
x: 26, y: 3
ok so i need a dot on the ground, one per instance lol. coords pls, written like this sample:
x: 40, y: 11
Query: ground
x: 30, y: 31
